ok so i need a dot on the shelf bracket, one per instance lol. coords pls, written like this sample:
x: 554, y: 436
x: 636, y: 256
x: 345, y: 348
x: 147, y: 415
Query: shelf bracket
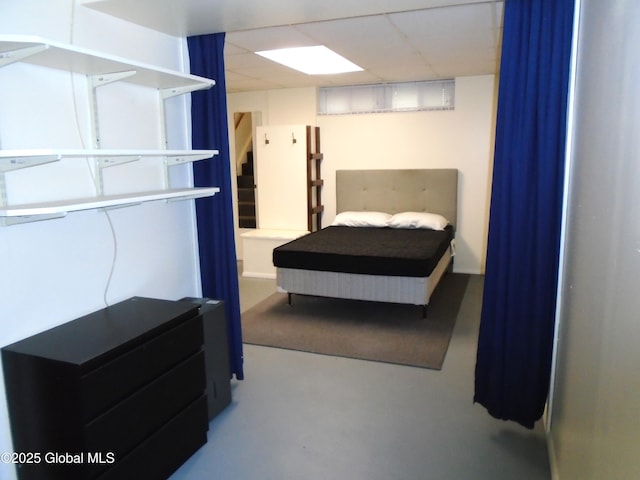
x: 162, y: 124
x: 101, y: 163
x: 98, y: 177
x: 105, y: 162
x: 107, y: 78
x: 3, y: 190
x: 18, y: 163
x: 8, y: 221
x: 116, y: 207
x: 175, y: 91
x: 195, y: 196
x: 27, y: 161
x: 163, y: 95
x: 94, y: 82
x: 171, y: 160
x: 12, y: 56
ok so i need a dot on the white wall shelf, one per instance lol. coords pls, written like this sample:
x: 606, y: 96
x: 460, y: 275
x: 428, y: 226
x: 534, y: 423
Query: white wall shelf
x: 48, y: 53
x: 100, y: 69
x: 17, y: 159
x: 14, y: 214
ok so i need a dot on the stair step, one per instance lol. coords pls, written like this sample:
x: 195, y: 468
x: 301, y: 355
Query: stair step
x: 247, y: 222
x: 246, y: 209
x: 246, y: 181
x: 246, y: 195
x: 247, y: 169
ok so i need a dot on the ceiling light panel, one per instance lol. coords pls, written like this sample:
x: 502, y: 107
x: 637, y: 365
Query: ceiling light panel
x: 316, y: 60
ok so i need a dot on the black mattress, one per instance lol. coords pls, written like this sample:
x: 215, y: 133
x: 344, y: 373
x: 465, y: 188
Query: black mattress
x: 371, y: 251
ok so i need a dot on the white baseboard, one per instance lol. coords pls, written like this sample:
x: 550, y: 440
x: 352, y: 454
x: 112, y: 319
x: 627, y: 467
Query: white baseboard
x: 468, y: 271
x: 259, y: 275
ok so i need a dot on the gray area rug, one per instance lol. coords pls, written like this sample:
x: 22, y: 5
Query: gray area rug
x: 381, y: 332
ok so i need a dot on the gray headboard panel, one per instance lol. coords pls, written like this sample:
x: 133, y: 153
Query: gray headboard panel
x: 393, y: 191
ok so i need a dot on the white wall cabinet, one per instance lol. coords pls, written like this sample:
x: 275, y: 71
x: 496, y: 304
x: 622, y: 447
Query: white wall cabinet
x: 100, y: 70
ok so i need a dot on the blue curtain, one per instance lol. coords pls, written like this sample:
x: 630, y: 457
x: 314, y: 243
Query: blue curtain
x: 515, y: 344
x: 218, y: 266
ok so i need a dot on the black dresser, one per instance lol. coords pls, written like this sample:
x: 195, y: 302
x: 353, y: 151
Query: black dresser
x: 117, y: 394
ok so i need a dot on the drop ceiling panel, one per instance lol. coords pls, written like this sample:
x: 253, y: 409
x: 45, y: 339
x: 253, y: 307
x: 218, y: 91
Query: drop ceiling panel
x: 248, y: 60
x: 196, y: 17
x: 269, y: 38
x: 393, y: 40
x: 239, y: 83
x: 357, y: 37
x: 442, y: 22
x: 462, y: 68
x: 353, y: 78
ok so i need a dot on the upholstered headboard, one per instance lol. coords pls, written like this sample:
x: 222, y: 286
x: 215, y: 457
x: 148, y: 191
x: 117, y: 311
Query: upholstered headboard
x: 393, y: 191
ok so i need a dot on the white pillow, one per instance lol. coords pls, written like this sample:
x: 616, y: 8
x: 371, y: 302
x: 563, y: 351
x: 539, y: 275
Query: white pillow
x: 432, y: 221
x: 362, y: 219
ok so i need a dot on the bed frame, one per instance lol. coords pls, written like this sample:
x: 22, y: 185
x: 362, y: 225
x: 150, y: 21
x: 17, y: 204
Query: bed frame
x: 391, y: 191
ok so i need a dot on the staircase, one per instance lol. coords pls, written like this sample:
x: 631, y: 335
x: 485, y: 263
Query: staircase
x: 247, y: 195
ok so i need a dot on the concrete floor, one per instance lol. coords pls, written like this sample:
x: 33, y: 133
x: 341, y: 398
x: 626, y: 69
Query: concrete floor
x: 306, y: 416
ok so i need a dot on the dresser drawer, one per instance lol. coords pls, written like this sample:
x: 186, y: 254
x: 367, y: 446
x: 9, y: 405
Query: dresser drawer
x: 108, y: 384
x: 163, y: 452
x: 129, y: 422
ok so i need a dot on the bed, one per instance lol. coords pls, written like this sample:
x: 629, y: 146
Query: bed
x: 361, y: 256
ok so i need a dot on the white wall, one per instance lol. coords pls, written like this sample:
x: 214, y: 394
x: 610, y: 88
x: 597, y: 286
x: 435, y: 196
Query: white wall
x: 461, y: 139
x: 56, y: 270
x: 595, y: 419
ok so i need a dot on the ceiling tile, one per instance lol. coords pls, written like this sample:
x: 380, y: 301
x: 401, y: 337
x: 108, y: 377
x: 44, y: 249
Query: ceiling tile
x: 399, y: 40
x: 197, y: 17
x: 442, y: 22
x: 269, y: 38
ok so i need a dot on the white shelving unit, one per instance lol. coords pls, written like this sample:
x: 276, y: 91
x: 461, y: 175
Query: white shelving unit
x: 52, y: 54
x: 17, y: 159
x: 100, y: 69
x: 10, y: 215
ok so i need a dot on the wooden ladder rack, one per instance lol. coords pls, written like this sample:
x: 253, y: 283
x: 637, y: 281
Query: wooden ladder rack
x: 314, y: 180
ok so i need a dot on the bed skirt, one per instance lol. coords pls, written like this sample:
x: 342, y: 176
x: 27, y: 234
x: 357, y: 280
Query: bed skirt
x: 378, y: 288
